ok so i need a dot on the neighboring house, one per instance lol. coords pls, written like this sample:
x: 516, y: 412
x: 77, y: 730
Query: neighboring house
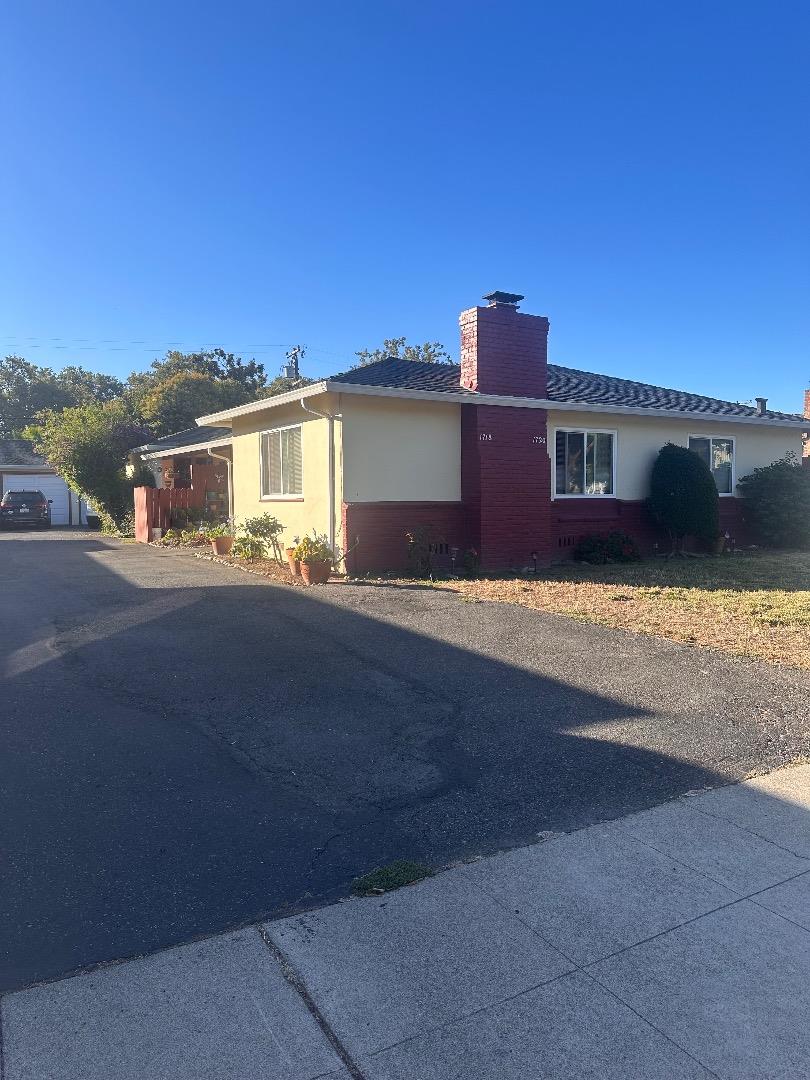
x: 21, y: 469
x: 197, y: 459
x: 506, y: 454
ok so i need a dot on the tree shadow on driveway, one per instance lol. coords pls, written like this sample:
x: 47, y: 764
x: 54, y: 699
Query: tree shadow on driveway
x: 182, y: 752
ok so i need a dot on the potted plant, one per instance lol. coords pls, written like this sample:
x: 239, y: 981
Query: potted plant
x: 221, y: 537
x: 316, y: 558
x: 294, y: 564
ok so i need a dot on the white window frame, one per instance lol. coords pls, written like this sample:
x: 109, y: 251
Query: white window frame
x: 280, y: 496
x: 726, y: 438
x: 586, y: 432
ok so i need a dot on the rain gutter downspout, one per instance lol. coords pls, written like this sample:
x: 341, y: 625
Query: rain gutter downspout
x: 330, y: 417
x: 228, y: 462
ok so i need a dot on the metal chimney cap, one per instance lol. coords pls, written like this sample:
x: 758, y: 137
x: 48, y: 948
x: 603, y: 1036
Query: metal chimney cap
x: 510, y: 298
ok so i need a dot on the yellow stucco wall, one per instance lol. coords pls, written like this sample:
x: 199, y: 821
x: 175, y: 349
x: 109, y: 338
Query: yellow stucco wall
x: 311, y: 511
x: 395, y: 450
x: 640, y: 438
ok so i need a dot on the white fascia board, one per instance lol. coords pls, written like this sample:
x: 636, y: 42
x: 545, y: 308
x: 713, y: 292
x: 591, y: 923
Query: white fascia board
x: 174, y: 451
x: 513, y: 402
x: 25, y: 470
x: 262, y: 404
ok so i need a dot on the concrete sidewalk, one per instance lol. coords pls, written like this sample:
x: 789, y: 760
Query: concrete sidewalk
x: 672, y: 943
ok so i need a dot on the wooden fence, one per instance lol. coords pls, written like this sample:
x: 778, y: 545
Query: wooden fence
x: 154, y: 506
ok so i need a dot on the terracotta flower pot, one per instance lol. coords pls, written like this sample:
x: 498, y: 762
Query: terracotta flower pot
x: 221, y: 545
x: 316, y: 573
x: 294, y: 564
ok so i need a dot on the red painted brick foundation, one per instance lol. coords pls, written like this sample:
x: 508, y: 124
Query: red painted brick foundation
x: 374, y: 533
x: 574, y: 518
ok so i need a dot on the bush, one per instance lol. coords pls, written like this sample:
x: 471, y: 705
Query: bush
x: 600, y: 548
x: 683, y: 495
x: 263, y: 533
x: 89, y: 446
x: 246, y: 546
x: 777, y: 502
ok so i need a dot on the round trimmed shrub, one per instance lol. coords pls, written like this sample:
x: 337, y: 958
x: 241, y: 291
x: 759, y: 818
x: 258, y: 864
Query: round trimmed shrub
x: 683, y: 495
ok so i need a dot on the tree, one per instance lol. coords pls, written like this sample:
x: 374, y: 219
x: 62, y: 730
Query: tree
x: 215, y: 364
x: 777, y: 502
x: 175, y: 403
x: 432, y: 352
x: 26, y: 389
x: 88, y: 445
x: 84, y: 387
x: 683, y: 496
x: 282, y: 385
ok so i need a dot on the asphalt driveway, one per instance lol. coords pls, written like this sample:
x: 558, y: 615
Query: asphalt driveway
x: 184, y: 748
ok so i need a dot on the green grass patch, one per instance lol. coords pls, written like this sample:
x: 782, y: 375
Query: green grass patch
x: 393, y: 876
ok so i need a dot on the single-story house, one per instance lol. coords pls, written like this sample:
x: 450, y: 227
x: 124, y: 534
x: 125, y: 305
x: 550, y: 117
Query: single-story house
x: 505, y: 453
x: 21, y: 469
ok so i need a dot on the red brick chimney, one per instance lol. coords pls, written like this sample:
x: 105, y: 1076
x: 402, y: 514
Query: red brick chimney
x: 504, y: 351
x: 806, y: 443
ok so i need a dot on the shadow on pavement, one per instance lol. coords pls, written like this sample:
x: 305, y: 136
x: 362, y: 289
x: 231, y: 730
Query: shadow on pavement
x: 181, y: 752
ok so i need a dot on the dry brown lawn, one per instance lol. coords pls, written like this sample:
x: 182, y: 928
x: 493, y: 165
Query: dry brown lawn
x: 752, y: 604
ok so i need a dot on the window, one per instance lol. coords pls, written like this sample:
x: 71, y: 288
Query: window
x: 281, y: 463
x: 584, y: 462
x: 719, y: 456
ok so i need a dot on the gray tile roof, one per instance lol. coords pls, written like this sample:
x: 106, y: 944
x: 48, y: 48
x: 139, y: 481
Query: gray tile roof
x: 190, y: 437
x: 564, y: 385
x: 20, y: 453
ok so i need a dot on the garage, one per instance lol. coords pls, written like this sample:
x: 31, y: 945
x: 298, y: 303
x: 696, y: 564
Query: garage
x: 52, y: 487
x: 23, y: 469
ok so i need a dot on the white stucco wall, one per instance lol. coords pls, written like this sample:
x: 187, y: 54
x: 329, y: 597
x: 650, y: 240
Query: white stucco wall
x: 638, y: 440
x: 400, y: 451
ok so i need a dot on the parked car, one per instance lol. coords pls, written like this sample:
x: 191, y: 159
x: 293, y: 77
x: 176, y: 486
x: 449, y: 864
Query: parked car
x: 25, y: 508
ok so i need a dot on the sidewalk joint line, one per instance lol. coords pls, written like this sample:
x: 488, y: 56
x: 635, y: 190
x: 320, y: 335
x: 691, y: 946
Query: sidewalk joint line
x: 2, y: 1054
x: 650, y: 1024
x: 753, y: 832
x: 300, y: 987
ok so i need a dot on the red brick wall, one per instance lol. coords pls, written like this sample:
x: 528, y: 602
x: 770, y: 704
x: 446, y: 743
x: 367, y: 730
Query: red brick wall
x: 505, y: 484
x: 375, y: 532
x: 574, y: 518
x: 503, y: 351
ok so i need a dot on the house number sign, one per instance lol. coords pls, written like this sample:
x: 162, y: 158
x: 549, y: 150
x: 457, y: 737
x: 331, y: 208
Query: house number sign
x: 484, y: 436
x: 539, y: 440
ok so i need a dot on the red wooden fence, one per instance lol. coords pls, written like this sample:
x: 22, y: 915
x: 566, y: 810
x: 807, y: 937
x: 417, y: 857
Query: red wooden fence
x: 153, y: 508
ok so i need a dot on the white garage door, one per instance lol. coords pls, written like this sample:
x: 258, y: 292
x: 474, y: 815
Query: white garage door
x: 52, y: 487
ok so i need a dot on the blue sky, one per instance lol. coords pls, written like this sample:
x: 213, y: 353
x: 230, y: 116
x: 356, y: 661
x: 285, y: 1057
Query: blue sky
x: 332, y: 174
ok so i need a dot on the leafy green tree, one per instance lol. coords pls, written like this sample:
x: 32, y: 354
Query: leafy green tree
x: 84, y: 387
x: 683, y: 496
x: 175, y: 403
x: 88, y: 445
x: 777, y: 502
x: 281, y: 385
x: 26, y: 389
x: 215, y: 364
x: 431, y: 352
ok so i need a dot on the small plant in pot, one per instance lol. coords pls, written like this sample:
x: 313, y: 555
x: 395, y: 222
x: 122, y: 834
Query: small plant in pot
x: 221, y: 537
x: 294, y: 564
x: 316, y: 558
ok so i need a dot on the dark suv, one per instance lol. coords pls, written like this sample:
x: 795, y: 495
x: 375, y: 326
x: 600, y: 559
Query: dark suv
x: 25, y: 508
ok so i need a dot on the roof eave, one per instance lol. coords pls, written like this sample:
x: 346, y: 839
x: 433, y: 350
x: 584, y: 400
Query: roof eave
x: 175, y: 451
x: 227, y: 415
x: 513, y: 401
